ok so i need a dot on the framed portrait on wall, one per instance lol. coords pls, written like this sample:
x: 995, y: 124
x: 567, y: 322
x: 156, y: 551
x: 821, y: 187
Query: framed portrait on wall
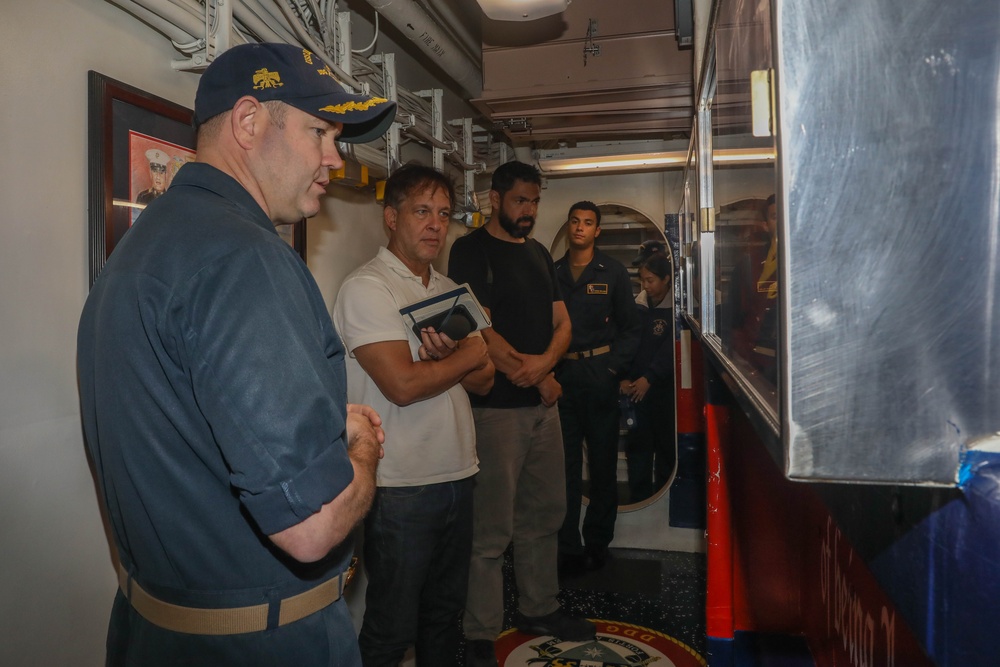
x: 294, y: 234
x: 137, y: 141
x: 152, y: 166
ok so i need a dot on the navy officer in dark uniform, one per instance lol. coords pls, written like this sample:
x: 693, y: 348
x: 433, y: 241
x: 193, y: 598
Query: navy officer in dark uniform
x: 598, y: 295
x: 213, y: 387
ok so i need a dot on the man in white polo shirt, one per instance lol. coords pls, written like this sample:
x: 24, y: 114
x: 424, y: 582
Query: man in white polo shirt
x: 418, y: 535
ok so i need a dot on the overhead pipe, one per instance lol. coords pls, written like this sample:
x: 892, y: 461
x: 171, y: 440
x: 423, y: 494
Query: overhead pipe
x: 173, y: 19
x: 191, y: 7
x: 295, y: 19
x: 419, y: 28
x: 307, y: 40
x: 442, y: 10
x: 253, y: 24
x: 426, y: 137
x: 180, y: 32
x: 324, y: 27
x: 218, y: 36
x: 267, y: 25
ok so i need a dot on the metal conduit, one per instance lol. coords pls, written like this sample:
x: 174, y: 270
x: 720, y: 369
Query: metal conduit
x: 413, y: 22
x: 178, y: 35
x: 191, y: 7
x: 428, y: 138
x: 324, y: 27
x: 307, y: 40
x: 175, y: 20
x: 268, y: 26
x: 441, y: 9
x: 168, y: 13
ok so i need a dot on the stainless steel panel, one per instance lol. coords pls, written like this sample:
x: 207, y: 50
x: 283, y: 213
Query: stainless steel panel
x: 890, y: 169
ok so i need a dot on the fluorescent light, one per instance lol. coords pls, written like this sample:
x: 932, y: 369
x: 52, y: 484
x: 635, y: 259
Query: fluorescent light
x: 748, y: 155
x: 651, y: 161
x: 614, y: 162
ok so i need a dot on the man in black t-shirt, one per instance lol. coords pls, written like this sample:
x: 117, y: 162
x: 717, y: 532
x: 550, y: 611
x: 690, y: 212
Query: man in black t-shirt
x: 520, y: 489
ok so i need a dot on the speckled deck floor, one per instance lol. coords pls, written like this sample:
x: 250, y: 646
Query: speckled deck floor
x: 659, y: 590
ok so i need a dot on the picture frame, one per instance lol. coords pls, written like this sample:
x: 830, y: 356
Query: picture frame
x: 294, y: 233
x: 136, y: 142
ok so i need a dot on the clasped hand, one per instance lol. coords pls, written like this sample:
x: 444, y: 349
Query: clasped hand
x: 533, y: 369
x: 634, y: 389
x: 434, y: 345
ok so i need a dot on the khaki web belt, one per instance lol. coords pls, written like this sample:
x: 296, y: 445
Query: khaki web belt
x: 230, y: 621
x: 586, y: 354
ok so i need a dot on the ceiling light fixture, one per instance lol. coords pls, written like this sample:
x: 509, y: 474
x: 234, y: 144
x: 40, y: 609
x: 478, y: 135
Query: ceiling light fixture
x: 521, y: 10
x: 743, y: 155
x: 651, y: 161
x: 613, y: 162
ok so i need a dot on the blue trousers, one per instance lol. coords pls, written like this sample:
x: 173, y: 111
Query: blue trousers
x: 651, y: 448
x: 588, y: 411
x: 418, y: 541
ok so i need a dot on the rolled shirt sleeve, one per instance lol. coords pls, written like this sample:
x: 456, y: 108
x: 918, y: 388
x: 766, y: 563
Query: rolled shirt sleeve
x: 270, y: 382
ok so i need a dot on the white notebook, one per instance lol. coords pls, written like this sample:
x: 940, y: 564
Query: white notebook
x: 456, y: 313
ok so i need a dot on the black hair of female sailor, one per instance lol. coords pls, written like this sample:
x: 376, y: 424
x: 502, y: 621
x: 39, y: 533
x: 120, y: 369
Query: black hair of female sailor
x: 658, y: 264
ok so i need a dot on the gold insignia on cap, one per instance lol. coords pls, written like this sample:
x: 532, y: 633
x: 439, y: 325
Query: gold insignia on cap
x: 263, y: 78
x: 325, y: 72
x: 307, y: 55
x: 354, y: 106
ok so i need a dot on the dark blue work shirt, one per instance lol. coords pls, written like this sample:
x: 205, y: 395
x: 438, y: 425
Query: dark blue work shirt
x: 601, y: 309
x: 213, y: 393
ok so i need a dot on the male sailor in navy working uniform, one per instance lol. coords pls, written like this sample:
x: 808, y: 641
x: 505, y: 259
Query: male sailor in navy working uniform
x: 598, y: 295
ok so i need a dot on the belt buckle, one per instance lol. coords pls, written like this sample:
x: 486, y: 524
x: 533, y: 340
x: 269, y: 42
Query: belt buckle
x: 348, y: 574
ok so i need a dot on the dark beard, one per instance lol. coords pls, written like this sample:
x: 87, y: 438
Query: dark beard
x: 512, y: 227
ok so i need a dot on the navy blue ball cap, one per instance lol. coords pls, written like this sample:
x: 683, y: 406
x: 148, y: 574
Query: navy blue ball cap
x: 295, y: 76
